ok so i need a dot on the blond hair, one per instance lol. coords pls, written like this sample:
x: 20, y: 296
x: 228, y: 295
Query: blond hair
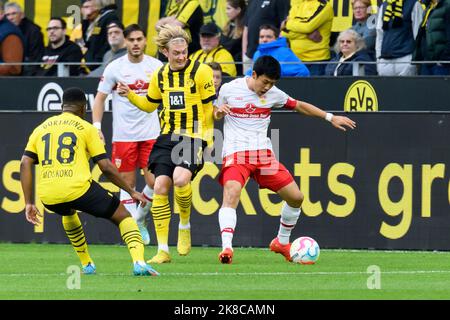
x: 359, y: 40
x: 169, y: 33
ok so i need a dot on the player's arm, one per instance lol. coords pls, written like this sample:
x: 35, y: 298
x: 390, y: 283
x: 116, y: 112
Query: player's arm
x: 113, y: 175
x: 97, y: 112
x: 98, y: 154
x: 26, y: 179
x: 309, y: 109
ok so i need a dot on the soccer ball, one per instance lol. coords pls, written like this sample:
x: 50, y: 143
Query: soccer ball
x: 305, y: 250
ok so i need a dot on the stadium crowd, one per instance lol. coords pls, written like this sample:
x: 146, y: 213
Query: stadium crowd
x: 298, y: 33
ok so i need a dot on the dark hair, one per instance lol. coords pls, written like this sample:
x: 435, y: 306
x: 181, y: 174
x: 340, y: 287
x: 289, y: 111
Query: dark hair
x: 270, y: 27
x: 131, y: 28
x: 74, y: 96
x: 269, y: 66
x: 236, y: 32
x: 115, y: 24
x: 63, y: 23
x: 215, y: 66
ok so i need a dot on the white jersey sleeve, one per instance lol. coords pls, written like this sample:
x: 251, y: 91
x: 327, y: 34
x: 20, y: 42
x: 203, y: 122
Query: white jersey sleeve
x: 107, y: 80
x: 280, y: 98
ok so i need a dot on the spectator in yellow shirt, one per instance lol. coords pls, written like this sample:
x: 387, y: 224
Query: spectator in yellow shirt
x: 308, y: 28
x: 212, y: 51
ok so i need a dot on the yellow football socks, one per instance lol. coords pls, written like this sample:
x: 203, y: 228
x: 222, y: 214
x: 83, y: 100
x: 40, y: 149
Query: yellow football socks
x: 183, y: 197
x: 132, y: 237
x: 74, y: 231
x: 161, y: 218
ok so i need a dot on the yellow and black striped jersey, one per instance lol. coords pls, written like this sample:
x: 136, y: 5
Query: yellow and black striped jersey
x: 186, y: 96
x: 61, y: 146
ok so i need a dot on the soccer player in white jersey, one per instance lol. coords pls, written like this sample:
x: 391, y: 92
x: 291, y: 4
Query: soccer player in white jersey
x: 246, y: 104
x: 134, y: 131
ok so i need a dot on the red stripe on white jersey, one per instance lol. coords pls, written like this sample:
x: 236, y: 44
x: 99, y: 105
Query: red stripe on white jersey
x: 250, y: 112
x: 230, y: 230
x: 128, y: 201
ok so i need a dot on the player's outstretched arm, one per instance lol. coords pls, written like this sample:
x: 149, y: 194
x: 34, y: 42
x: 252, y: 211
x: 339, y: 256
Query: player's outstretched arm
x: 26, y: 179
x: 97, y: 112
x: 141, y: 102
x: 114, y: 176
x: 339, y: 122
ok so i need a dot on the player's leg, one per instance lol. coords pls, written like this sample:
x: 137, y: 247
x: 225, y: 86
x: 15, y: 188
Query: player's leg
x: 234, y: 174
x: 228, y: 218
x: 131, y: 235
x: 144, y: 150
x: 290, y: 213
x: 161, y: 212
x: 143, y: 212
x: 273, y: 175
x: 103, y: 204
x: 183, y: 197
x: 124, y: 156
x: 189, y: 163
x: 74, y: 231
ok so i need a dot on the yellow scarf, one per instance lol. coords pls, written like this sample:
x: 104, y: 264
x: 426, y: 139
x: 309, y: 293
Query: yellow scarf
x: 394, y: 13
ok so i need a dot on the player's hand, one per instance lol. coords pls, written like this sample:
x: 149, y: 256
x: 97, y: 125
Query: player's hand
x: 122, y: 89
x: 32, y: 213
x: 137, y: 196
x: 220, y: 112
x: 341, y: 122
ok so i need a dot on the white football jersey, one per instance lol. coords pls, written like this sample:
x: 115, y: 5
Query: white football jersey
x: 245, y: 128
x: 129, y: 122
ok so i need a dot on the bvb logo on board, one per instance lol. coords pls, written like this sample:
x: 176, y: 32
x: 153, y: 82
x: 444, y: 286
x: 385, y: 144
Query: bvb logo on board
x: 361, y: 96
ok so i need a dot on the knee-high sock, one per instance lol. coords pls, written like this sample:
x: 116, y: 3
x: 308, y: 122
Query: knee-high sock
x: 161, y: 218
x: 129, y: 203
x: 141, y: 212
x: 132, y: 237
x: 74, y: 231
x: 227, y: 222
x: 288, y: 220
x: 183, y: 197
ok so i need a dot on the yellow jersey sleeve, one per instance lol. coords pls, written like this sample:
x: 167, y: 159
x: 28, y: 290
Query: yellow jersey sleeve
x: 30, y: 149
x: 204, y: 78
x: 96, y: 147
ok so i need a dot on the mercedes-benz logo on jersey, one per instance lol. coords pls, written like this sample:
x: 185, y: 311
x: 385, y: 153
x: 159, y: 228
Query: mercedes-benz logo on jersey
x: 139, y: 84
x: 250, y: 107
x: 50, y: 97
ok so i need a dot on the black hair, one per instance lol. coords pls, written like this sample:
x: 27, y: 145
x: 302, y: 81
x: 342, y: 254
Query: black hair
x: 74, y: 96
x: 131, y: 28
x: 275, y: 30
x: 215, y: 66
x: 115, y: 24
x: 63, y: 23
x: 269, y: 66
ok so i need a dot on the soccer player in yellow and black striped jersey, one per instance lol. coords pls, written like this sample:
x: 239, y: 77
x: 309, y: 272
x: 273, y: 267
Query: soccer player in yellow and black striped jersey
x: 61, y: 147
x: 185, y: 89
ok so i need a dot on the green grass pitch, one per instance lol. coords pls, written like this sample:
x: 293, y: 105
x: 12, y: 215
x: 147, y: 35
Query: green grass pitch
x: 39, y: 271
